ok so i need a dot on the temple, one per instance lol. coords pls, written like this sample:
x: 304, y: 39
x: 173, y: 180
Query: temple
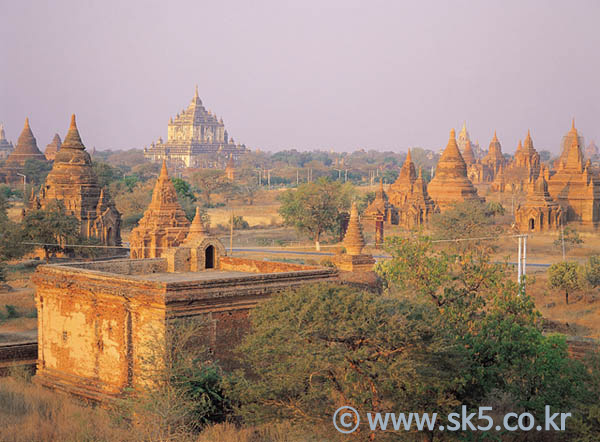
x: 164, y: 223
x: 451, y: 184
x: 539, y: 212
x: 6, y: 147
x: 73, y: 181
x: 464, y: 139
x: 52, y: 148
x: 25, y: 150
x: 523, y: 169
x: 196, y: 138
x: 574, y: 186
x: 103, y: 325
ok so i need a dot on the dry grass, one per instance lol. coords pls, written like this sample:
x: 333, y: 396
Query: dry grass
x: 28, y: 413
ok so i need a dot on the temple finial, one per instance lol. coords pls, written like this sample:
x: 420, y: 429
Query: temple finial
x: 573, y: 123
x: 27, y: 123
x: 452, y: 134
x: 163, y: 169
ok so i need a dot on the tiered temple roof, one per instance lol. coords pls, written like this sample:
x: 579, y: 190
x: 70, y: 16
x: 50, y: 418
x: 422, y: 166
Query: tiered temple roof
x: 164, y: 223
x: 575, y: 186
x: 399, y: 190
x: 539, y: 212
x: 73, y: 181
x: 451, y: 184
x: 494, y: 159
x: 193, y: 133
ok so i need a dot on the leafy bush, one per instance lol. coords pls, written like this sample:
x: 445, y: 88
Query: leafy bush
x: 592, y: 271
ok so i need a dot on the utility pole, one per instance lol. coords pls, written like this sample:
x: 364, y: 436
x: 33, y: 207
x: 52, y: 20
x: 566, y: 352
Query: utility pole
x: 297, y: 177
x: 231, y: 235
x: 522, y: 264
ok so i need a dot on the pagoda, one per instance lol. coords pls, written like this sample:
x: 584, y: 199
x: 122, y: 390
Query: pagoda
x: 354, y: 260
x: 494, y: 158
x: 399, y: 190
x: 418, y: 207
x: 195, y: 137
x: 26, y: 149
x: 539, y: 212
x: 73, y: 181
x: 5, y: 146
x: 451, y: 183
x: 53, y: 148
x: 164, y: 224
x: 575, y: 186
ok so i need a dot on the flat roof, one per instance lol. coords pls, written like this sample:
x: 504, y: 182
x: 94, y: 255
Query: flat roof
x: 204, y: 275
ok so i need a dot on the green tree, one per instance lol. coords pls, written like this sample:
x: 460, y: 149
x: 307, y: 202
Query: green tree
x: 313, y: 208
x: 497, y: 327
x: 321, y: 347
x: 53, y: 227
x: 106, y: 173
x: 10, y: 238
x: 209, y: 182
x: 183, y: 189
x: 592, y: 271
x: 568, y: 238
x: 564, y: 276
x: 36, y: 171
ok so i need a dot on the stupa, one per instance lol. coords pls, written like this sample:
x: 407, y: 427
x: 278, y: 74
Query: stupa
x: 451, y: 184
x: 199, y: 251
x: 164, y: 223
x: 6, y: 147
x: 354, y: 260
x: 53, y: 148
x: 230, y: 169
x: 26, y: 149
x: 379, y: 206
x: 73, y: 181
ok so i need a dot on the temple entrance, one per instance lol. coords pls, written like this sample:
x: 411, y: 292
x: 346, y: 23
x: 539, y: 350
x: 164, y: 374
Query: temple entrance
x: 209, y: 257
x: 531, y: 224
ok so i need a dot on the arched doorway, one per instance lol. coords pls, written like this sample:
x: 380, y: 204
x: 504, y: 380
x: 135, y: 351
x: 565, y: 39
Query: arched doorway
x: 209, y: 257
x: 531, y: 224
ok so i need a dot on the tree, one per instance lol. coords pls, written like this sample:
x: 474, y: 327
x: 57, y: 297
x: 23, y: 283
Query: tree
x: 592, y: 271
x: 497, y: 326
x: 313, y: 208
x: 183, y: 189
x: 568, y: 238
x: 11, y: 246
x: 564, y: 276
x: 36, y: 171
x: 106, y: 173
x: 209, y: 182
x: 320, y: 347
x: 469, y: 219
x: 53, y: 227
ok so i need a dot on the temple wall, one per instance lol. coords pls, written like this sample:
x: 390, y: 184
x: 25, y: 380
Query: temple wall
x: 101, y: 326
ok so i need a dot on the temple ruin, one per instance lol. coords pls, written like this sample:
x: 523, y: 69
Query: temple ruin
x: 72, y: 180
x: 164, y: 224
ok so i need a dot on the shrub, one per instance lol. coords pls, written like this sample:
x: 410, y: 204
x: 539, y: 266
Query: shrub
x: 592, y: 271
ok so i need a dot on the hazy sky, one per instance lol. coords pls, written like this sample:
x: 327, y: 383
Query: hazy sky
x: 305, y: 74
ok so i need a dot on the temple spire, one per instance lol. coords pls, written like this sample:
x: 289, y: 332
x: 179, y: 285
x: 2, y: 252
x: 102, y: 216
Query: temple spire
x: 354, y: 241
x: 73, y: 140
x: 495, y: 136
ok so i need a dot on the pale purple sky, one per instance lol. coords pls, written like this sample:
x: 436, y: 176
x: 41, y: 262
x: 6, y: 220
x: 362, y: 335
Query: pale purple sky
x: 306, y: 74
